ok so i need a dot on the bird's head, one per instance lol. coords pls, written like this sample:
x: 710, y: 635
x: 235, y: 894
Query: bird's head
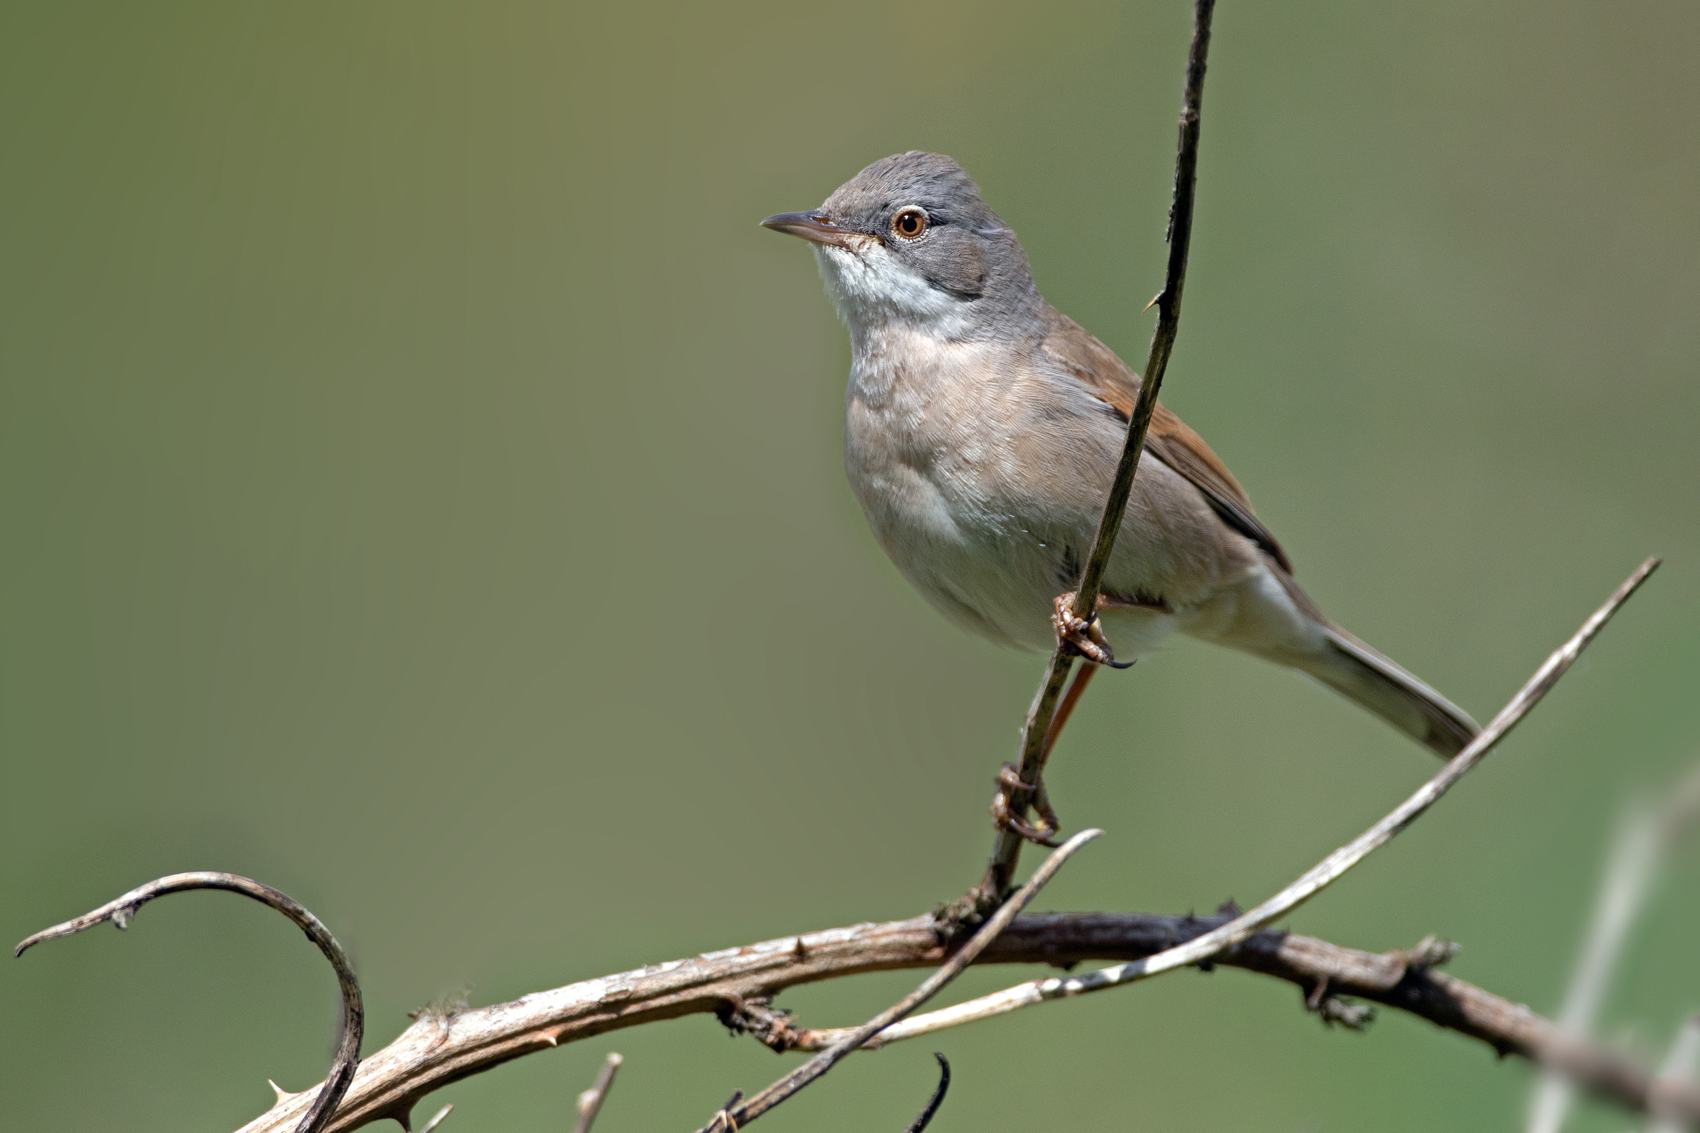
x: 908, y: 240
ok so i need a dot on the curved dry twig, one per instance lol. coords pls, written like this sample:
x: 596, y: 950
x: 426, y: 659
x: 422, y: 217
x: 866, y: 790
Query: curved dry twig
x: 925, y: 1117
x: 121, y: 910
x: 1036, y: 733
x: 733, y: 983
x: 1318, y: 878
x: 737, y: 1114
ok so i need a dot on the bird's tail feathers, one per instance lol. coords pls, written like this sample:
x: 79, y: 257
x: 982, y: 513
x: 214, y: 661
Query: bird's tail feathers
x: 1357, y: 671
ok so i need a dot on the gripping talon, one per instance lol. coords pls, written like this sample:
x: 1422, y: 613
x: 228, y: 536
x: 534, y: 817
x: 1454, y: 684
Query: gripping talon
x: 1032, y: 833
x: 1083, y: 635
x: 1004, y: 817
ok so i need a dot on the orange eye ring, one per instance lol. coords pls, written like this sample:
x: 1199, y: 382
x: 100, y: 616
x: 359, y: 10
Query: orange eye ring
x: 909, y: 223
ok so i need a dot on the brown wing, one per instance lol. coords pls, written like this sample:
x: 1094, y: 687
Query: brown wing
x: 1168, y: 439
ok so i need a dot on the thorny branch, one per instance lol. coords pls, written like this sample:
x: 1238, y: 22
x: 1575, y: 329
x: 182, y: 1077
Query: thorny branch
x: 739, y: 985
x: 1036, y: 732
x: 735, y: 1114
x: 321, y: 1101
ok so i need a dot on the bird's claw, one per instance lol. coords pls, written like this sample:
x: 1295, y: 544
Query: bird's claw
x: 1083, y: 635
x: 1006, y: 819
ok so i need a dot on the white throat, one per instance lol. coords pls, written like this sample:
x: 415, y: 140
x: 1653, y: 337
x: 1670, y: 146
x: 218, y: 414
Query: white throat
x: 873, y: 291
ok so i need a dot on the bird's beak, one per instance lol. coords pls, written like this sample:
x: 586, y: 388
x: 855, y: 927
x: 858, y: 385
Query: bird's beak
x: 815, y: 227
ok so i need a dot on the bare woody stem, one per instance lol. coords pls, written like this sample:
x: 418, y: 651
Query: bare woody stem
x: 731, y: 983
x: 742, y: 1113
x: 1000, y: 871
x: 1168, y: 314
x: 119, y: 912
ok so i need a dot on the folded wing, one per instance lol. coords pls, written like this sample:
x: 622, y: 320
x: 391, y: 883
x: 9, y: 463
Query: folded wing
x: 1168, y: 439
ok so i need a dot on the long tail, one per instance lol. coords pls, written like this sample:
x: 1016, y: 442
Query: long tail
x: 1273, y: 618
x: 1352, y: 668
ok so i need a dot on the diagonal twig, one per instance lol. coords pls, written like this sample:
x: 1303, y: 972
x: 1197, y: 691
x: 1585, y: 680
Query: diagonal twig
x: 590, y: 1102
x: 347, y: 1057
x: 1325, y: 873
x: 737, y: 1114
x: 1036, y: 731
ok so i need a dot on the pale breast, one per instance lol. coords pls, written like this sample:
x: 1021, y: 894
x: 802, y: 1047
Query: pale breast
x: 983, y: 475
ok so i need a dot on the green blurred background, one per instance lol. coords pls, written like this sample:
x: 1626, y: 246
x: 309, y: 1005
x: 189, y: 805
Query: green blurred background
x: 421, y: 491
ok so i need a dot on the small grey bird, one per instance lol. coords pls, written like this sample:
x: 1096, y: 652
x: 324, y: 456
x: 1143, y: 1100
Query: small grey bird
x: 982, y: 429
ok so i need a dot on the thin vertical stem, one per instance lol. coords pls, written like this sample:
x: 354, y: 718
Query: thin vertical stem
x: 1037, y: 733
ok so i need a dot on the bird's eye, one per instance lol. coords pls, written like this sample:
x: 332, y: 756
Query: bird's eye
x: 909, y: 223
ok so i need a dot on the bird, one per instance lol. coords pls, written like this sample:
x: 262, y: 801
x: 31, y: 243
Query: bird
x: 982, y: 429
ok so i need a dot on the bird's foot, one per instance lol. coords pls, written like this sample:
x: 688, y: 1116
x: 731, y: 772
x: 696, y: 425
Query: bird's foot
x: 1083, y: 635
x: 1005, y: 817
